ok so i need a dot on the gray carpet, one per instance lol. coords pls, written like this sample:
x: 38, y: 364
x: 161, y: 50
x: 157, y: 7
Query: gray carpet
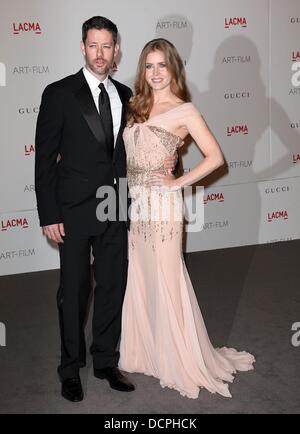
x: 249, y: 298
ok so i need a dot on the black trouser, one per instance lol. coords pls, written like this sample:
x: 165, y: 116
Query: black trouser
x: 110, y: 272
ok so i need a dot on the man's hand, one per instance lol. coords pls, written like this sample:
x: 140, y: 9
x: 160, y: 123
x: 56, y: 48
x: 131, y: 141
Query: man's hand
x: 170, y: 163
x: 160, y: 180
x: 54, y: 232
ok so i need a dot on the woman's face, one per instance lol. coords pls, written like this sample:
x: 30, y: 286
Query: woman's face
x: 157, y: 75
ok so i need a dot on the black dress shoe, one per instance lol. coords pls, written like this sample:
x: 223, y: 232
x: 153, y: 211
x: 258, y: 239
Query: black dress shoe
x: 116, y: 380
x: 72, y: 389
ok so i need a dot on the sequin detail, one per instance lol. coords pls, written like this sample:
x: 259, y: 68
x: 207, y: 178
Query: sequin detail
x: 156, y: 214
x: 170, y: 140
x: 136, y: 135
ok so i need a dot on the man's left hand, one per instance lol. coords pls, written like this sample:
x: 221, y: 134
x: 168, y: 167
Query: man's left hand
x: 170, y: 163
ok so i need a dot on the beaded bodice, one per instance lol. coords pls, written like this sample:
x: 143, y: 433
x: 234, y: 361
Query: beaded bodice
x: 147, y: 146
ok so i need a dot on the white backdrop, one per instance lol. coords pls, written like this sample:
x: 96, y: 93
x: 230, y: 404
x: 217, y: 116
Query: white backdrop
x: 243, y: 66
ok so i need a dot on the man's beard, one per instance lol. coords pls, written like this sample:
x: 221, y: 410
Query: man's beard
x: 99, y: 70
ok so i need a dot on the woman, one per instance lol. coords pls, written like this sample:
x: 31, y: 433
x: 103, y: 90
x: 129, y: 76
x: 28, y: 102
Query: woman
x: 163, y: 333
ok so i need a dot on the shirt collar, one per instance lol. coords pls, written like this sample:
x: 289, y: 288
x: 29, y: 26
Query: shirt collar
x: 93, y: 81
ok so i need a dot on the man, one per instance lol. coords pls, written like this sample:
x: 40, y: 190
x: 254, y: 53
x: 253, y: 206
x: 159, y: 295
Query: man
x: 79, y: 147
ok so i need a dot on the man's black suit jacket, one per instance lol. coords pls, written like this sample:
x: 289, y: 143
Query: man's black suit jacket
x: 72, y: 157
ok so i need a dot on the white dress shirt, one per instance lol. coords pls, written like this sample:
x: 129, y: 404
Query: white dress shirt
x: 115, y: 102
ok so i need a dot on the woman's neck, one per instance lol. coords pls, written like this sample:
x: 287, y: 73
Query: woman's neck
x: 162, y: 96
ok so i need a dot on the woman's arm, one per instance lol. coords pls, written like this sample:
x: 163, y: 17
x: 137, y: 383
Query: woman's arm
x: 207, y: 144
x: 194, y: 123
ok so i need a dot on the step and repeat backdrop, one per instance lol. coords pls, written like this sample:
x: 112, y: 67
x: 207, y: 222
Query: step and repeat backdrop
x: 242, y: 61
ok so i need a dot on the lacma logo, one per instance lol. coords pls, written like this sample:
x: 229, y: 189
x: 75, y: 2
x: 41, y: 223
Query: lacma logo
x: 277, y: 215
x: 2, y: 74
x: 296, y: 158
x: 14, y: 223
x: 235, y: 22
x: 2, y: 335
x: 29, y: 150
x: 214, y: 197
x: 26, y: 27
x: 296, y: 56
x: 237, y: 129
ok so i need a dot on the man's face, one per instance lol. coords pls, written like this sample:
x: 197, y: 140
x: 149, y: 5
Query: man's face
x: 99, y: 51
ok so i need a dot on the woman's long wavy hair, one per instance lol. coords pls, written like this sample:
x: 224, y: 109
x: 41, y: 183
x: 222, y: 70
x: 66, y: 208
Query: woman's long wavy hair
x: 141, y: 104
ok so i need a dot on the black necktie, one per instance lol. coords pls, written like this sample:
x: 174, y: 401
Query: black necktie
x: 106, y: 117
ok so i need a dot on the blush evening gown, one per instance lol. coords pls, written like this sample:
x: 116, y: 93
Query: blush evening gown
x: 163, y: 332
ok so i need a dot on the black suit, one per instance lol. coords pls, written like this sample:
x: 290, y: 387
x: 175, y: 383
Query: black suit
x: 72, y: 161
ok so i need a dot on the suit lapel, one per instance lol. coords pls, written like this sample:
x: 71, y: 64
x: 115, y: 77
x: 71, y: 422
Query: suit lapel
x: 124, y: 99
x: 89, y: 111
